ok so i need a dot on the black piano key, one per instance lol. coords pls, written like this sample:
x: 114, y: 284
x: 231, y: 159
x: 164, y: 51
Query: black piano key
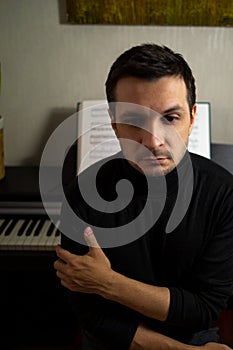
x: 10, y: 227
x: 4, y: 225
x: 50, y: 230
x: 39, y: 227
x: 23, y: 227
x: 57, y: 233
x: 30, y: 228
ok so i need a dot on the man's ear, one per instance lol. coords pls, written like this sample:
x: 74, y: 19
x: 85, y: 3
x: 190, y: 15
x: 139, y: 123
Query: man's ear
x: 113, y: 123
x: 192, y: 118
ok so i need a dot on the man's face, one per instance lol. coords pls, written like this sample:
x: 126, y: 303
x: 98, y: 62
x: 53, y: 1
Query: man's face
x: 156, y: 117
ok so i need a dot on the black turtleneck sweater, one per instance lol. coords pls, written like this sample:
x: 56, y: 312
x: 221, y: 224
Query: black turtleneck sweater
x: 183, y: 241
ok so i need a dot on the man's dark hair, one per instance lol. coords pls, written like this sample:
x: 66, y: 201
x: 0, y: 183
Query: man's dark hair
x: 150, y: 62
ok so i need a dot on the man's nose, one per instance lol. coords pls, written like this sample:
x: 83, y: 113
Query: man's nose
x: 152, y: 137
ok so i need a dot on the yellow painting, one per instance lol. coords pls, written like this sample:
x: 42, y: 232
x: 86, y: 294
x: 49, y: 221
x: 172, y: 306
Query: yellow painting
x: 151, y: 12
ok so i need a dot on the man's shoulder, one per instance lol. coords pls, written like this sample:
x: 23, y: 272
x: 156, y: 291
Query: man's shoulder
x: 209, y: 170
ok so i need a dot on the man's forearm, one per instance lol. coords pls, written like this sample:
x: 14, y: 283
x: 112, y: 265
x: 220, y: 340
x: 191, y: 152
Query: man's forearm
x: 151, y: 301
x: 147, y: 339
x: 92, y: 273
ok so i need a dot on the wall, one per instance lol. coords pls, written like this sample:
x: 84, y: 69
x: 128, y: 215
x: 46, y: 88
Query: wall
x: 48, y: 66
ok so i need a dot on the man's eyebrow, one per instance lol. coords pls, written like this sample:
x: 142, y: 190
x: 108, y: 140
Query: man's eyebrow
x: 172, y: 109
x: 141, y: 114
x: 131, y: 114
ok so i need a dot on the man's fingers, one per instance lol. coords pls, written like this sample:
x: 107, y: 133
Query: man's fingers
x: 90, y: 238
x: 63, y: 254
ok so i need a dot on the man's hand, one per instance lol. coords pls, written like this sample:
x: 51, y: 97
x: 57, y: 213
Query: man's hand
x: 89, y: 273
x: 215, y: 346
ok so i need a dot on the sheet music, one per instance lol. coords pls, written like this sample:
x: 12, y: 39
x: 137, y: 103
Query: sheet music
x: 199, y: 140
x: 97, y: 140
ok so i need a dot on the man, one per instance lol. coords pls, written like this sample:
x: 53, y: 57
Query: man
x: 161, y: 282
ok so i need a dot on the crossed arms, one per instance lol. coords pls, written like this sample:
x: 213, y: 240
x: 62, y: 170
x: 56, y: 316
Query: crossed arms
x: 92, y: 274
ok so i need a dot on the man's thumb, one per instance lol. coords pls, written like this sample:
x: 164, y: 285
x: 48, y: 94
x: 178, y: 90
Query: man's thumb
x: 90, y: 238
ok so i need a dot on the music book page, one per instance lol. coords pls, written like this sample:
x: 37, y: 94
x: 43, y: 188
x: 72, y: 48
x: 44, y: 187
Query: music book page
x: 199, y: 140
x: 96, y: 138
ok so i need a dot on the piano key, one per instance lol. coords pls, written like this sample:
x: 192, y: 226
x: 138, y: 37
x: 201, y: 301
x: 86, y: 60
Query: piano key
x: 1, y: 223
x: 21, y: 236
x: 30, y: 227
x: 50, y: 230
x: 50, y: 242
x: 39, y: 227
x: 24, y: 227
x: 4, y: 225
x: 10, y: 227
x: 4, y: 228
x: 57, y: 238
x: 30, y: 232
x: 57, y: 234
x: 38, y: 240
x: 9, y: 240
x: 49, y: 237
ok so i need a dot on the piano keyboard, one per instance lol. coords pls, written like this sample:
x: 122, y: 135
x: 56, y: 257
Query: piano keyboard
x: 29, y: 234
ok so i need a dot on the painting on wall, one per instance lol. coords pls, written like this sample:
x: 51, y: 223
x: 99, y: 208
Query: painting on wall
x: 151, y: 12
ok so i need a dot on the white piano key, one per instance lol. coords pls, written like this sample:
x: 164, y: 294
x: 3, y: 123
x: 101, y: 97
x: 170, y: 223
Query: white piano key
x: 38, y: 241
x: 29, y: 239
x: 57, y: 235
x: 1, y: 222
x: 9, y: 241
x: 12, y: 237
x: 20, y: 239
x: 49, y: 237
x: 4, y: 222
x: 2, y: 236
x: 50, y: 242
x: 57, y: 240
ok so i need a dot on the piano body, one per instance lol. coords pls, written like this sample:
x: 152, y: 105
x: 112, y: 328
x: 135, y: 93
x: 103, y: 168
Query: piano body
x: 34, y: 306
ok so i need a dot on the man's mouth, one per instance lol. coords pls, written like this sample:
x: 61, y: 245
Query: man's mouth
x: 154, y: 160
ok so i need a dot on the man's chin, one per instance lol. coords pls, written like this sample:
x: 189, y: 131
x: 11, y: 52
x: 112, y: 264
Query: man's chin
x: 154, y: 170
x: 157, y: 168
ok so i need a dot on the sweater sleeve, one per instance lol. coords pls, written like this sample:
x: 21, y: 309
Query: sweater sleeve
x: 111, y: 323
x: 197, y: 308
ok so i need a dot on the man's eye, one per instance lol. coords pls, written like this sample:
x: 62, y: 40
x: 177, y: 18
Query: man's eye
x: 134, y: 121
x: 170, y: 118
